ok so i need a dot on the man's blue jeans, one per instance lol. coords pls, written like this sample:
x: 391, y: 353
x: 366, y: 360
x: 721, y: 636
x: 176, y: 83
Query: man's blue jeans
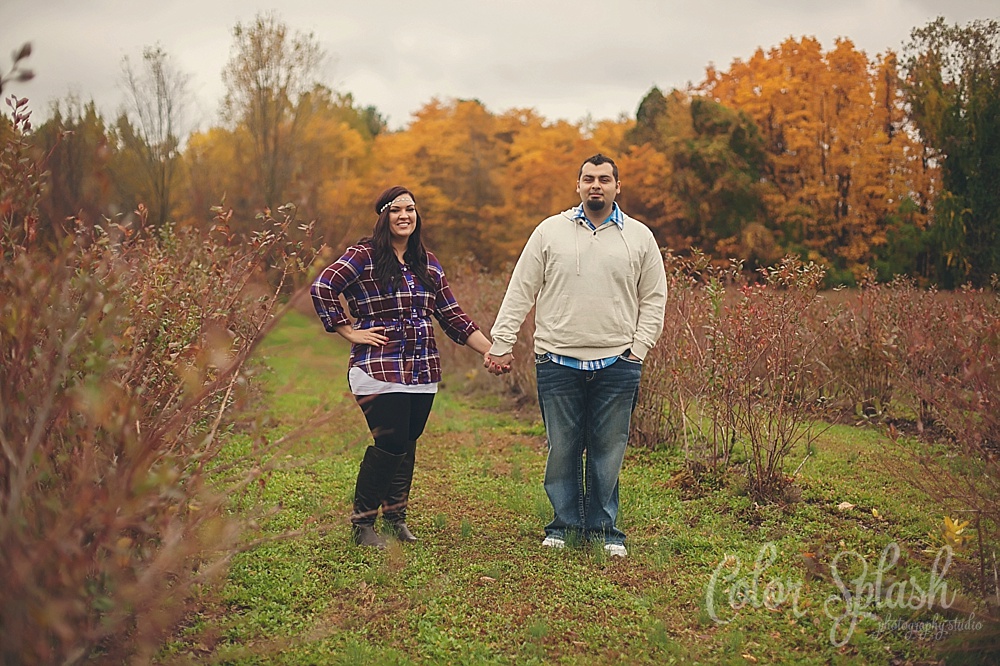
x: 586, y: 411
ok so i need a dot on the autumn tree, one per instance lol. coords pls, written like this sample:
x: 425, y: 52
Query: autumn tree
x: 330, y: 181
x: 711, y: 160
x: 953, y: 89
x: 214, y: 163
x: 75, y: 144
x: 450, y: 156
x: 647, y: 174
x: 841, y: 164
x: 484, y: 181
x: 649, y: 170
x: 608, y: 136
x: 537, y: 178
x: 269, y: 69
x: 149, y: 131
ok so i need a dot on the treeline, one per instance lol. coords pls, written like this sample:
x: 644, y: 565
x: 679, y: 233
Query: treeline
x: 879, y: 166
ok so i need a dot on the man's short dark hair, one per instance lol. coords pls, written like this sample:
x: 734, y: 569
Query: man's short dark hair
x: 598, y: 160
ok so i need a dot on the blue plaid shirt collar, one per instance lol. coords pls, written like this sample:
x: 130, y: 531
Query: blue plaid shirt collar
x: 616, y: 216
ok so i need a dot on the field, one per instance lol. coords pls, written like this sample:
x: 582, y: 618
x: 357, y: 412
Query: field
x: 711, y: 576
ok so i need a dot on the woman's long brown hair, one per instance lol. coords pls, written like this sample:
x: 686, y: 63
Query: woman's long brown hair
x: 387, y: 270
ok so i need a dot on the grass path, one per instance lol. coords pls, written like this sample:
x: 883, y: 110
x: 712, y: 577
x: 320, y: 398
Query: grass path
x: 478, y: 588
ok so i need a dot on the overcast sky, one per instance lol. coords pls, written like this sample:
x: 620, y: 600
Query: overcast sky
x: 567, y: 60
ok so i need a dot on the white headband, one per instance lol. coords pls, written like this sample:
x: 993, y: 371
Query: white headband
x: 400, y: 199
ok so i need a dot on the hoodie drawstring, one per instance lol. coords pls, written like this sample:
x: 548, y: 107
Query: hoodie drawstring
x: 628, y: 251
x: 576, y: 237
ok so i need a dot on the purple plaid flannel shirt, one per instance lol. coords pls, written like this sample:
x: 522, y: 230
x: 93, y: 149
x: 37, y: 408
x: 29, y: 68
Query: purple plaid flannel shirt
x: 411, y: 355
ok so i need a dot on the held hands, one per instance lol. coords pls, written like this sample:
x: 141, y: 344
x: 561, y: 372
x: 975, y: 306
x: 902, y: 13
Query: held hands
x: 497, y: 365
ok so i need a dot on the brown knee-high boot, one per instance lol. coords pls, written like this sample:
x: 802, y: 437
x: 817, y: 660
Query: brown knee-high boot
x: 378, y: 469
x: 396, y: 499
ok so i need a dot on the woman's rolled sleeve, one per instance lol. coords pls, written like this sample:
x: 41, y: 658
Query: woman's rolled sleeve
x: 326, y: 289
x: 456, y: 324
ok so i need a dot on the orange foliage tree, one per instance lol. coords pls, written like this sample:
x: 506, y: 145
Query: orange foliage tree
x: 796, y: 149
x: 212, y: 173
x: 841, y: 154
x: 537, y: 178
x: 484, y: 181
x: 331, y: 182
x: 448, y: 156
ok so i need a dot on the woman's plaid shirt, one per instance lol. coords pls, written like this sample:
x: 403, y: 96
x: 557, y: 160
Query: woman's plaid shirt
x: 411, y: 355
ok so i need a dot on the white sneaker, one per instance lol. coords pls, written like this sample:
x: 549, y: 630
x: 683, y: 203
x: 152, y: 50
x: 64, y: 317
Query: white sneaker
x: 553, y: 542
x: 615, y: 550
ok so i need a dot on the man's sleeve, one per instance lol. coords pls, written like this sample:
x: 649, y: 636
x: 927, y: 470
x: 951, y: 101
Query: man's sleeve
x: 652, y: 300
x: 522, y: 290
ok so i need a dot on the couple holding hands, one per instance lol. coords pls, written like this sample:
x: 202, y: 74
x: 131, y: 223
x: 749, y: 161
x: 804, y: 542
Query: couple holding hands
x: 595, y: 277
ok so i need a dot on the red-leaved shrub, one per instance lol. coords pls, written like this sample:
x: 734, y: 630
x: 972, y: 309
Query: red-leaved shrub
x: 122, y: 360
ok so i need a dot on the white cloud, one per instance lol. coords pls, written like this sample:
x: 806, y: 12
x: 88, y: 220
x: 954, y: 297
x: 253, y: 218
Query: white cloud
x: 565, y: 59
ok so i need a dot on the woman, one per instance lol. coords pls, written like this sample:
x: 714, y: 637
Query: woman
x: 392, y: 286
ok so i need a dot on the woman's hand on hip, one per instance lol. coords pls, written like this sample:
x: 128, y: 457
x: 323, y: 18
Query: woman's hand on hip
x: 373, y: 336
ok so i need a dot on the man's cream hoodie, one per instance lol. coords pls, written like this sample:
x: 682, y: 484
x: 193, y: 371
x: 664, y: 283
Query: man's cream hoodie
x: 598, y: 293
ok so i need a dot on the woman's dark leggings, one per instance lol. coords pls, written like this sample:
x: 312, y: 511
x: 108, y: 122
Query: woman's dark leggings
x: 396, y: 418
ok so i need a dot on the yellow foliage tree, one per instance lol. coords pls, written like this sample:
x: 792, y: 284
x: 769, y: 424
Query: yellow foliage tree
x: 841, y: 155
x: 211, y: 169
x: 330, y: 182
x: 449, y: 157
x: 537, y: 180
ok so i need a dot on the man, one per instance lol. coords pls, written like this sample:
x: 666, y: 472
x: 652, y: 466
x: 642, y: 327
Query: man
x: 596, y: 278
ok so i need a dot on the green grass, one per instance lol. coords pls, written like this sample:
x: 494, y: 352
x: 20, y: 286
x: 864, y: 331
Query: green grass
x: 479, y: 589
